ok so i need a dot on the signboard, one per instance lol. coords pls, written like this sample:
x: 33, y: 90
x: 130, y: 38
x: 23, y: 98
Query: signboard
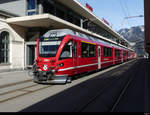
x: 89, y: 7
x: 105, y: 21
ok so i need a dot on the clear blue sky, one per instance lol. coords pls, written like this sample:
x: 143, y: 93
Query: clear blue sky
x: 114, y: 11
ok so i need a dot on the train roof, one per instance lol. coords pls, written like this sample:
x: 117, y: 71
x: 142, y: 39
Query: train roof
x: 63, y: 32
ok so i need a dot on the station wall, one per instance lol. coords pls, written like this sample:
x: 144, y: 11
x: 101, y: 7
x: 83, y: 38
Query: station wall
x: 16, y: 47
x: 12, y: 5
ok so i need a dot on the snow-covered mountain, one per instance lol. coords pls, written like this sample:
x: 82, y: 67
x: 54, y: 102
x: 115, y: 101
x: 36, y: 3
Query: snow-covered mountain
x: 135, y: 34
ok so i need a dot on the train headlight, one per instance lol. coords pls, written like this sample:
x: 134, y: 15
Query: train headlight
x: 61, y: 65
x: 45, y: 67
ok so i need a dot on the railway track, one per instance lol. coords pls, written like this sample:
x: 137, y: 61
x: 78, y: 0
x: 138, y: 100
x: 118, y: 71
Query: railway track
x: 120, y: 94
x: 125, y: 88
x: 16, y: 83
x: 16, y: 90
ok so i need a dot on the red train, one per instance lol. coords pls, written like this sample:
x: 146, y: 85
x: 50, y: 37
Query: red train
x: 64, y: 53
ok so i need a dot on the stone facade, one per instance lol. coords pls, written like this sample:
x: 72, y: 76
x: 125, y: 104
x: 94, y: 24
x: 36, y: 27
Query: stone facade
x: 16, y: 47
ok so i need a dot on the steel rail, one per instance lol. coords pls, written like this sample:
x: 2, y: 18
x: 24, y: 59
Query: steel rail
x: 125, y: 88
x: 23, y: 90
x: 5, y: 93
x: 13, y: 84
x: 100, y: 92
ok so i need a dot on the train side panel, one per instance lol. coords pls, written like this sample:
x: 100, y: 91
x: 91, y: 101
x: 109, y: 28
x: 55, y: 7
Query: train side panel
x: 88, y: 60
x: 107, y: 56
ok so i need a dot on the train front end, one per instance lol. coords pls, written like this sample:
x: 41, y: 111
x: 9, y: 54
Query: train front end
x: 45, y: 68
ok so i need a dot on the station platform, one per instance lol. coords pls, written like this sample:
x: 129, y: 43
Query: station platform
x: 14, y: 77
x: 123, y: 89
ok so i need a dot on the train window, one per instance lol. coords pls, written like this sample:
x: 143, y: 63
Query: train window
x: 124, y: 53
x: 128, y: 54
x: 67, y: 51
x: 92, y: 50
x: 75, y: 49
x: 85, y: 50
x: 104, y: 52
x: 110, y: 51
x: 88, y: 50
x: 117, y: 53
x: 107, y: 52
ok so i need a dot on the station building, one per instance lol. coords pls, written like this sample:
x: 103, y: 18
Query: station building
x: 23, y: 21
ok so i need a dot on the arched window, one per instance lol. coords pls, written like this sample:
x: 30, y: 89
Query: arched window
x: 4, y: 47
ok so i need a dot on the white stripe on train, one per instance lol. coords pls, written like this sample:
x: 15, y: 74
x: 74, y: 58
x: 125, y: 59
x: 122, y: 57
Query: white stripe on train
x: 76, y: 67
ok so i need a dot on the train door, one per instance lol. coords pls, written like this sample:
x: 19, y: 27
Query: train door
x: 99, y: 57
x: 75, y: 56
x: 114, y: 58
x: 122, y: 56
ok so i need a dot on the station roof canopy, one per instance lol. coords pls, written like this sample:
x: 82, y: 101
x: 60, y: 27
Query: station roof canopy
x: 50, y: 21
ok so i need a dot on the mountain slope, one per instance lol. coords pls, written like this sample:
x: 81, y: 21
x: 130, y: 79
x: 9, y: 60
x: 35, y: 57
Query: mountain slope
x: 135, y: 34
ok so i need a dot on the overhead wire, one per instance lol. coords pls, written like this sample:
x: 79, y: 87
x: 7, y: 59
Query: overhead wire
x: 125, y: 11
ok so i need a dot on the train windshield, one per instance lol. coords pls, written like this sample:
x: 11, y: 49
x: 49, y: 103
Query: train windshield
x: 48, y: 47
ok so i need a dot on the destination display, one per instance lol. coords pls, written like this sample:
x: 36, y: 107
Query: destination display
x: 51, y: 39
